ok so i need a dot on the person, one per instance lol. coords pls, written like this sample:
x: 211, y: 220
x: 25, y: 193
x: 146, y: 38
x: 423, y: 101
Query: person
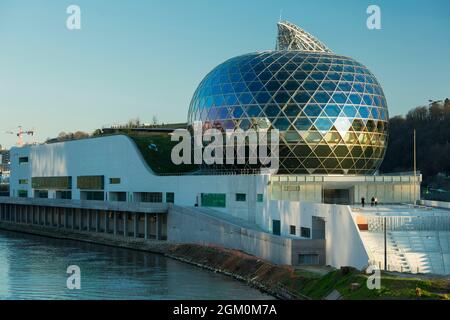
x: 372, y: 201
x: 363, y: 201
x: 376, y: 201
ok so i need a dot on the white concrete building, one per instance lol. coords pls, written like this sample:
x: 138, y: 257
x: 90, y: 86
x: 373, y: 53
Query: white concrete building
x: 299, y: 209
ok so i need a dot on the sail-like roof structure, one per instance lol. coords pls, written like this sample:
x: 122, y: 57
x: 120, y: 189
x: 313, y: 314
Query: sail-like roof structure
x: 291, y: 37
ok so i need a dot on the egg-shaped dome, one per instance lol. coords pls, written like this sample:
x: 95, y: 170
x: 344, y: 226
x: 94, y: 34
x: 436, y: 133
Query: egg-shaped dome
x: 330, y: 110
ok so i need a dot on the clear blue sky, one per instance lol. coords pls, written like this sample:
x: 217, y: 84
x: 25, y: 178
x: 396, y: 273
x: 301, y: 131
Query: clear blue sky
x: 140, y: 58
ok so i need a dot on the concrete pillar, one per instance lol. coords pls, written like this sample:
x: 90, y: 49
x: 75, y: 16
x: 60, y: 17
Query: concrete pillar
x: 15, y: 213
x: 115, y: 223
x: 45, y: 215
x: 65, y: 217
x: 89, y: 220
x: 145, y: 226
x: 97, y: 221
x: 158, y: 237
x: 72, y: 211
x: 106, y: 222
x: 80, y: 219
x: 135, y: 226
x: 125, y: 224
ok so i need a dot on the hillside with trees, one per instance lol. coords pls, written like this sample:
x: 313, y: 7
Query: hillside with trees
x: 432, y: 124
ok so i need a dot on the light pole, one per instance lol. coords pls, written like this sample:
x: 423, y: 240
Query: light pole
x: 385, y: 244
x: 415, y: 168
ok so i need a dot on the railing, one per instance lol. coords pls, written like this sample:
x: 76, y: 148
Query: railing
x: 433, y: 223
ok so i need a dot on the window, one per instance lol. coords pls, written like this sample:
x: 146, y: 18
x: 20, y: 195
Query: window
x: 114, y: 180
x: 292, y: 230
x: 260, y: 197
x: 153, y: 197
x: 215, y: 200
x: 276, y: 227
x: 66, y: 195
x: 41, y: 194
x: 23, y: 181
x: 91, y: 182
x: 170, y: 197
x: 23, y: 160
x: 308, y: 259
x: 241, y: 197
x: 22, y: 194
x: 305, y: 232
x: 93, y: 195
x: 61, y: 183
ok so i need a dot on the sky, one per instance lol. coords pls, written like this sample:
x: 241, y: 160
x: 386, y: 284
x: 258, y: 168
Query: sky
x: 143, y: 59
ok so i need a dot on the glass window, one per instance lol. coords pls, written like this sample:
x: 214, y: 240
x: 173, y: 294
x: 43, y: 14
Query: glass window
x: 259, y: 197
x: 323, y: 124
x: 293, y: 230
x: 91, y: 182
x: 114, y: 180
x: 214, y: 200
x: 22, y: 193
x: 305, y: 232
x: 302, y: 97
x: 23, y: 160
x: 332, y: 110
x: 241, y: 197
x: 61, y: 183
x: 321, y: 97
x: 313, y: 110
x: 282, y: 124
x: 263, y: 98
x: 303, y: 124
x: 170, y: 197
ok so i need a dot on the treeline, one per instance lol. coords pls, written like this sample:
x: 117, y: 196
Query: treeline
x: 432, y: 124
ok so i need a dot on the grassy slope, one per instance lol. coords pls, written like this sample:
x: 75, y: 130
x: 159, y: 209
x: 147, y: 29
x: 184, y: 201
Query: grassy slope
x: 159, y: 161
x: 303, y: 283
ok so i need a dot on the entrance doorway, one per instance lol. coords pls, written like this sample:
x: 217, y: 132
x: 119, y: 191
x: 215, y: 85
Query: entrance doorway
x: 336, y: 196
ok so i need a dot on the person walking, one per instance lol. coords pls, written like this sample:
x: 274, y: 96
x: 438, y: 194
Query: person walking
x: 363, y: 201
x: 372, y: 201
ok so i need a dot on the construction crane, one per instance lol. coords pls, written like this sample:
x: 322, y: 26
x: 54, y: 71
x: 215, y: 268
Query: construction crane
x: 20, y: 135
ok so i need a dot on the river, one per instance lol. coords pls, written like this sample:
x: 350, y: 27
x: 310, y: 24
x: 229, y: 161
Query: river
x: 33, y: 267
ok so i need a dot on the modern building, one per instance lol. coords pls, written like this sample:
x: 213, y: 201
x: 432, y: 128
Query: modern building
x: 333, y: 119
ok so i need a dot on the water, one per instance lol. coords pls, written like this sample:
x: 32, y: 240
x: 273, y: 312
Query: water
x: 33, y: 267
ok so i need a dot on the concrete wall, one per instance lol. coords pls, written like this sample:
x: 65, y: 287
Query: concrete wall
x: 344, y: 246
x: 118, y: 157
x: 187, y: 225
x: 437, y: 204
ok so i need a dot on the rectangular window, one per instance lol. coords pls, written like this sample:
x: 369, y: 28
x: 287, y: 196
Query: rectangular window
x: 114, y: 180
x: 213, y: 200
x: 65, y: 195
x: 118, y: 196
x: 152, y: 197
x: 22, y: 193
x: 23, y: 181
x: 23, y: 160
x: 293, y: 230
x: 305, y: 232
x: 308, y: 259
x: 91, y: 182
x: 260, y: 197
x: 241, y: 197
x: 93, y: 195
x: 276, y: 227
x: 41, y: 194
x: 170, y: 197
x: 51, y: 183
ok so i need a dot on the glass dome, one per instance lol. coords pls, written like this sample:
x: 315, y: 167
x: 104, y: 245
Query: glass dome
x: 330, y: 110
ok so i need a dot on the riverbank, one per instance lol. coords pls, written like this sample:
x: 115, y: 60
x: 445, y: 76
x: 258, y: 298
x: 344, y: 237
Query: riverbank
x: 282, y: 282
